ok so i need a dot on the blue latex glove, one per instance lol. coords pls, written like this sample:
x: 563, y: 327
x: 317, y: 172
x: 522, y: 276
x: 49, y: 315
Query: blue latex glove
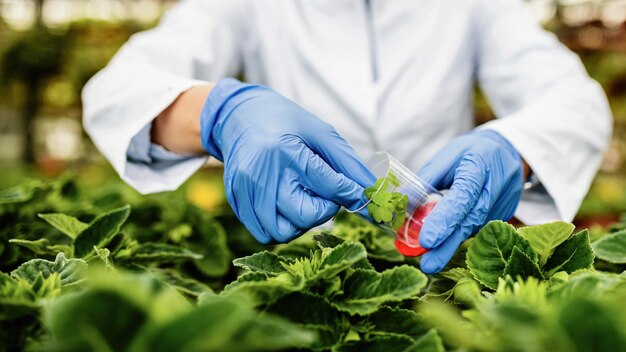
x: 483, y: 172
x: 285, y: 170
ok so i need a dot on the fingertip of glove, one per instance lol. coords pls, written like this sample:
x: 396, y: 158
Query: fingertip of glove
x: 263, y: 239
x: 285, y: 237
x: 430, y: 264
x: 426, y: 240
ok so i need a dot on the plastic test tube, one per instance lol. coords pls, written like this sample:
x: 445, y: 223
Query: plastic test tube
x: 422, y: 198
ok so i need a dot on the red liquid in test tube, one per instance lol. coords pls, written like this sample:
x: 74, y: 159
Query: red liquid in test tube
x: 412, y: 232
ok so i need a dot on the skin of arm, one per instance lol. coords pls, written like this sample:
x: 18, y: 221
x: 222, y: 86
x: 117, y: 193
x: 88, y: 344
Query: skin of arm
x: 177, y: 128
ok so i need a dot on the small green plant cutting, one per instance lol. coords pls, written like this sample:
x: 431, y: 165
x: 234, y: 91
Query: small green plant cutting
x: 386, y: 205
x: 84, y: 271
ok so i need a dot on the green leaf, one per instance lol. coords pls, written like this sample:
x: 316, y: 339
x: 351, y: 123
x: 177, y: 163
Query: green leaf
x: 295, y: 249
x: 127, y: 292
x: 364, y: 291
x: 459, y: 283
x: 591, y: 326
x: 102, y: 257
x: 160, y: 253
x: 210, y: 240
x: 382, y: 183
x: 398, y: 220
x: 17, y: 299
x: 588, y: 284
x: 94, y: 320
x: 387, y: 206
x: 71, y: 271
x: 611, y: 248
x: 68, y: 225
x: 379, y: 342
x: 456, y: 274
x: 392, y: 179
x: 396, y: 321
x: 490, y: 250
x: 18, y: 296
x: 21, y: 193
x: 381, y: 198
x: 430, y: 342
x: 327, y: 240
x: 521, y: 265
x: 340, y: 258
x: 12, y: 309
x: 5, y: 279
x: 180, y: 232
x: 313, y: 313
x: 227, y: 324
x: 100, y: 231
x: 327, y: 262
x: 545, y: 238
x: 378, y: 244
x: 265, y: 262
x: 45, y: 287
x: 372, y: 209
x: 41, y: 246
x: 182, y: 283
x: 558, y: 279
x: 384, y: 214
x: 120, y: 245
x: 259, y: 289
x: 573, y: 254
x: 439, y: 287
x: 467, y: 291
x: 403, y: 202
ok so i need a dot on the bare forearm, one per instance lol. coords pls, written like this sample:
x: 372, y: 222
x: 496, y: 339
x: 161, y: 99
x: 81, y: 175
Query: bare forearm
x: 177, y: 128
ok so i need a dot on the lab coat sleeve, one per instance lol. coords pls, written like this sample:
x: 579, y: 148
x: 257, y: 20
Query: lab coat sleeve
x: 196, y: 42
x: 554, y: 114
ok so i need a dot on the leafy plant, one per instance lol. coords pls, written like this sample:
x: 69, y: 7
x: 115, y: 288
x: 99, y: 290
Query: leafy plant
x: 387, y: 205
x: 41, y: 219
x: 532, y: 315
x: 541, y: 251
x: 138, y: 312
x: 25, y: 291
x: 523, y: 289
x: 612, y: 248
x: 87, y: 273
x: 340, y: 289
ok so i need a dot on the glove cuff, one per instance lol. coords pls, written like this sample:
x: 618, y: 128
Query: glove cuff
x: 216, y: 110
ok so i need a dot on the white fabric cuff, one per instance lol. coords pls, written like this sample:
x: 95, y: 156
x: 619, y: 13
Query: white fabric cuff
x: 149, y: 167
x: 152, y: 168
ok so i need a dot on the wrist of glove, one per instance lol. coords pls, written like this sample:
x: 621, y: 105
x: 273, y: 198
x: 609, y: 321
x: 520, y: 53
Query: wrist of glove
x: 285, y: 170
x: 224, y: 98
x: 484, y: 175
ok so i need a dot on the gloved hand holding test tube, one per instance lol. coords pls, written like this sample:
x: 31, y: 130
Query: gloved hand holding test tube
x: 398, y: 202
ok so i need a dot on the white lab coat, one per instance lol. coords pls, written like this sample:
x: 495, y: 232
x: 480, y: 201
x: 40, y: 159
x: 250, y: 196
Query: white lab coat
x: 394, y: 75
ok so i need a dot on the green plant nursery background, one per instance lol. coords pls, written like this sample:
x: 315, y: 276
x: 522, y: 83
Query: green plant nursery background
x: 50, y: 48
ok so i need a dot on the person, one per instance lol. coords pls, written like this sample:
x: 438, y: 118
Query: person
x: 325, y: 77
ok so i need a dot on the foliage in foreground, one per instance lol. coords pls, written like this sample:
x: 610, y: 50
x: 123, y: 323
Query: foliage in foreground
x: 531, y: 289
x: 81, y: 271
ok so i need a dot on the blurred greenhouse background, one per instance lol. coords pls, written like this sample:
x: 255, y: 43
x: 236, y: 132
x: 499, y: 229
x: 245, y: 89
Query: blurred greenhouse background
x: 50, y: 48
